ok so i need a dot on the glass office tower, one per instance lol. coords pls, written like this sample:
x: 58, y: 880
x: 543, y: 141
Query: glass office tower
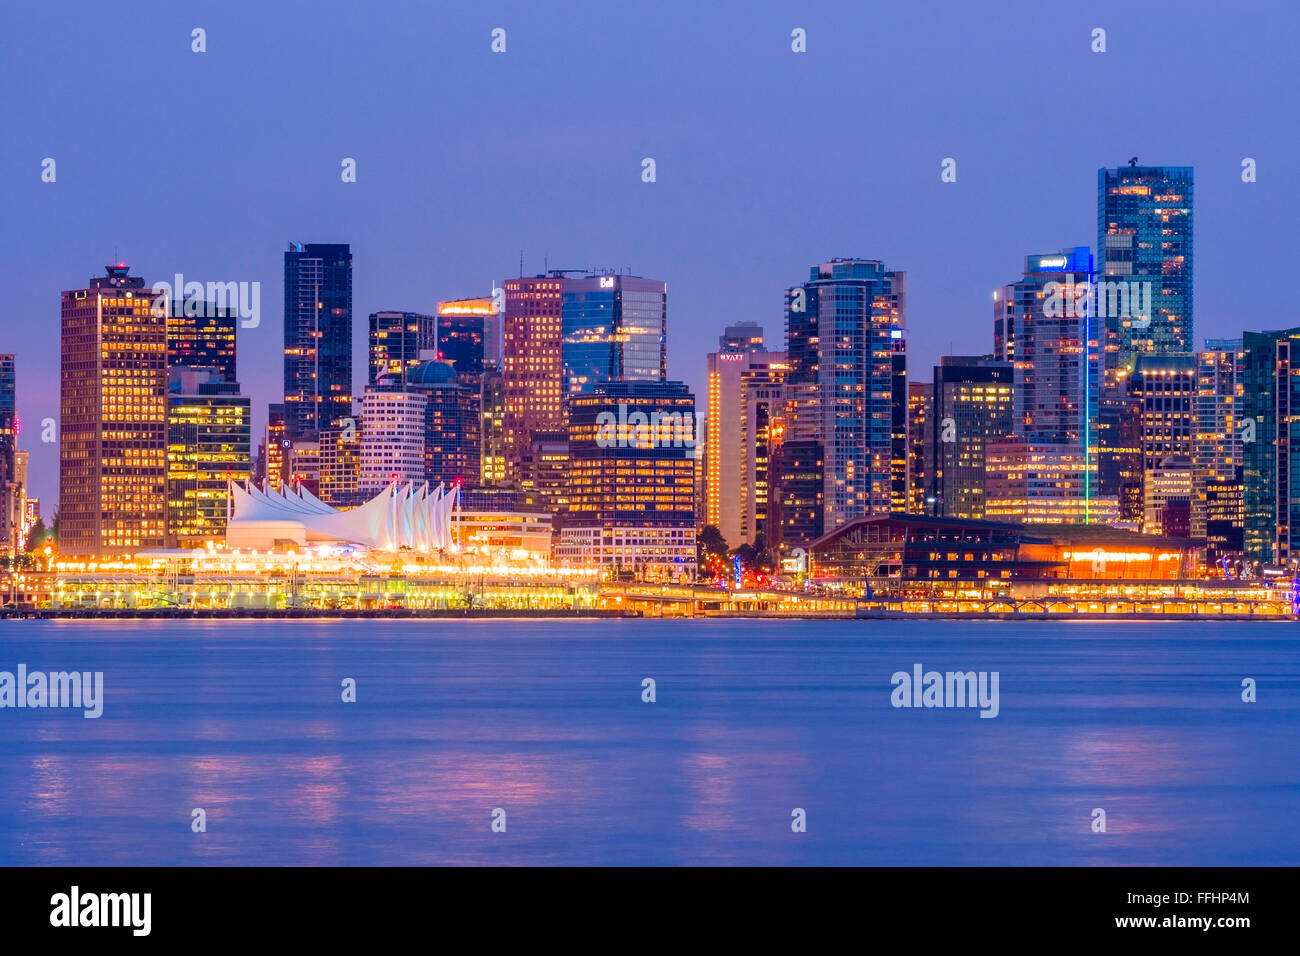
x: 317, y: 337
x: 1144, y: 235
x: 844, y: 342
x: 614, y: 329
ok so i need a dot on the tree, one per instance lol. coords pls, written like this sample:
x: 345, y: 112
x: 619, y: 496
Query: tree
x: 36, y: 536
x: 711, y: 542
x: 711, y: 549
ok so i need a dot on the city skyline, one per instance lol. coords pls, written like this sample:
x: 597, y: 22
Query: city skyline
x: 730, y: 168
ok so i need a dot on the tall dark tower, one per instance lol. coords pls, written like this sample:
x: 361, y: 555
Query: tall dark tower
x: 1144, y: 235
x: 317, y: 337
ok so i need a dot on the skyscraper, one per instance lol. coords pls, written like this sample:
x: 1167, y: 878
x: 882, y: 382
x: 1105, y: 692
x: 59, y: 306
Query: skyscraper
x: 842, y: 329
x: 632, y: 499
x: 12, y: 490
x: 1271, y: 444
x: 920, y: 447
x: 1043, y: 324
x: 615, y: 329
x: 113, y: 418
x: 1037, y: 482
x: 422, y: 426
x: 464, y: 327
x: 317, y: 337
x: 741, y: 337
x: 396, y: 340
x: 745, y: 400
x: 1163, y: 388
x: 1216, y: 459
x: 492, y: 411
x: 900, y: 440
x: 532, y: 367
x: 276, y: 444
x: 209, y: 434
x: 974, y: 405
x: 202, y: 335
x: 8, y: 417
x: 1144, y: 235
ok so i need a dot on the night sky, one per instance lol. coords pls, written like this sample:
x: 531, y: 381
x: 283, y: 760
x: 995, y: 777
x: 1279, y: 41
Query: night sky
x: 767, y: 160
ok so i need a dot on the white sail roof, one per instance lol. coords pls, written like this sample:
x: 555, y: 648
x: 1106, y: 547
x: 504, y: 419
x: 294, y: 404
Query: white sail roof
x: 400, y: 516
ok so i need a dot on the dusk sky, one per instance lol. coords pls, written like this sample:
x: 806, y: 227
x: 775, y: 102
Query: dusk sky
x: 767, y: 160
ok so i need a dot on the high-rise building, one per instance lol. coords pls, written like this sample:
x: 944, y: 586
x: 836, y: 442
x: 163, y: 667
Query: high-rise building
x: 1119, y: 454
x: 615, y: 329
x: 14, y: 519
x: 920, y: 447
x: 11, y: 492
x: 209, y: 443
x: 745, y: 399
x: 1217, y: 446
x: 1043, y: 324
x: 317, y: 337
x: 464, y: 327
x: 396, y: 341
x: 843, y: 328
x: 761, y: 428
x: 451, y: 424
x: 900, y: 439
x: 302, y: 464
x: 974, y: 404
x: 340, y: 467
x: 1225, y: 522
x: 1271, y: 444
x: 8, y: 416
x: 1144, y: 237
x: 202, y: 335
x: 1167, y: 497
x: 631, y: 504
x: 392, y: 436
x: 113, y: 418
x: 741, y: 337
x: 798, y: 511
x: 492, y: 411
x: 424, y: 428
x: 544, y: 473
x: 13, y: 479
x: 1040, y: 483
x: 275, y: 444
x: 532, y: 367
x: 1164, y: 387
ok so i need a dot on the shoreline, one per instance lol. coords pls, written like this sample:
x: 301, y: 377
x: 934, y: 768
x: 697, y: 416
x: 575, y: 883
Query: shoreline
x: 397, y: 614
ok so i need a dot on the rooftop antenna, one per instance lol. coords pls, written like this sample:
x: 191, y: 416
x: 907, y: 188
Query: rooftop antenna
x: 521, y: 263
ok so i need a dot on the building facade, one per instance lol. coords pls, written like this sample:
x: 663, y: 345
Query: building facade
x: 532, y: 367
x: 615, y: 329
x: 844, y: 331
x: 113, y: 418
x: 317, y: 337
x: 209, y: 443
x: 1144, y: 236
x: 396, y: 341
x: 974, y: 404
x: 1271, y: 460
x: 631, y: 508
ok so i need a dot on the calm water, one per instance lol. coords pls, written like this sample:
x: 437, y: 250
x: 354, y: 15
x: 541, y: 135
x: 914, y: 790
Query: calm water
x: 545, y: 720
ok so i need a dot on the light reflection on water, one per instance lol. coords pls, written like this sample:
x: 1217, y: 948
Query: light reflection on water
x: 545, y: 720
